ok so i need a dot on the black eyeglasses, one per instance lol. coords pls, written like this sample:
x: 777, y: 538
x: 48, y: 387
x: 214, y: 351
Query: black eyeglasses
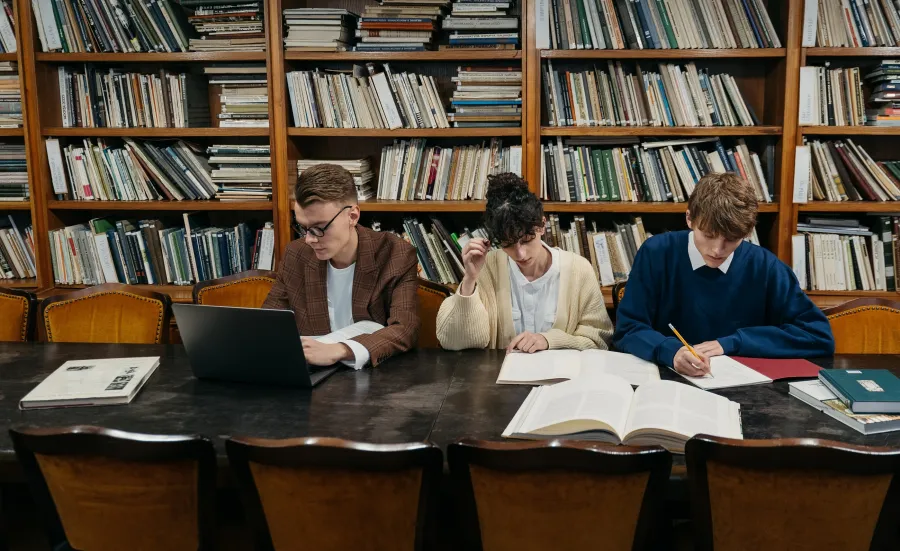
x: 316, y: 231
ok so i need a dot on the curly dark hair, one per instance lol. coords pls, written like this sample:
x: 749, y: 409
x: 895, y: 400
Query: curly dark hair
x: 512, y: 211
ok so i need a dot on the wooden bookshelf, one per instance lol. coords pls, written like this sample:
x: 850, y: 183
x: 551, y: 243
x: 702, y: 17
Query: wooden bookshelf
x: 156, y: 132
x: 15, y: 205
x: 850, y: 130
x: 851, y: 206
x: 407, y: 132
x: 407, y: 57
x: 178, y: 293
x: 177, y: 57
x: 652, y: 131
x: 375, y: 205
x: 12, y: 132
x: 852, y: 52
x: 155, y: 206
x: 631, y: 207
x: 9, y: 57
x: 736, y: 53
x: 29, y: 283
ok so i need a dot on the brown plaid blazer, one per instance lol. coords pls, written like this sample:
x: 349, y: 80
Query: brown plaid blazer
x: 384, y: 291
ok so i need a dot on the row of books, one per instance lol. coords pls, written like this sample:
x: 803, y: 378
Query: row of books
x: 360, y: 169
x: 16, y: 250
x: 243, y: 94
x: 646, y: 24
x: 832, y: 97
x: 318, y: 29
x: 242, y: 172
x: 439, y: 252
x: 479, y: 24
x: 111, y: 98
x: 842, y: 23
x: 10, y: 95
x: 365, y: 98
x: 227, y: 26
x: 844, y: 171
x: 486, y: 96
x: 675, y: 96
x: 411, y: 170
x: 7, y: 28
x: 578, y: 170
x: 840, y: 254
x: 110, y: 26
x: 148, y: 252
x: 13, y: 172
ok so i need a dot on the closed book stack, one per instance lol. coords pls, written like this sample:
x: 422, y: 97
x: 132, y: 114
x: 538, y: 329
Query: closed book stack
x: 111, y: 26
x: 16, y: 250
x: 10, y: 96
x: 227, y: 25
x: 486, y: 96
x: 93, y: 97
x: 243, y: 95
x: 579, y: 170
x: 365, y: 97
x: 482, y: 24
x: 361, y: 169
x: 319, y: 29
x: 412, y: 170
x: 7, y: 27
x: 400, y: 26
x: 241, y: 172
x: 832, y: 97
x: 843, y: 23
x: 13, y: 172
x: 137, y: 171
x: 620, y: 96
x: 884, y: 100
x: 844, y: 171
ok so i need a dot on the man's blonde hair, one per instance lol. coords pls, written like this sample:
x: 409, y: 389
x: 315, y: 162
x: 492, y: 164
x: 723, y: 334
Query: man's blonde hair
x: 723, y: 204
x: 326, y: 183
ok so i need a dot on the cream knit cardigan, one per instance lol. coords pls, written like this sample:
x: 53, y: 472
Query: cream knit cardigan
x: 484, y: 319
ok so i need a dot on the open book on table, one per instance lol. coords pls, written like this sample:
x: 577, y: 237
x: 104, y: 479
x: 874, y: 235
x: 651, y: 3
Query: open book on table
x: 553, y: 366
x: 605, y: 408
x: 364, y: 327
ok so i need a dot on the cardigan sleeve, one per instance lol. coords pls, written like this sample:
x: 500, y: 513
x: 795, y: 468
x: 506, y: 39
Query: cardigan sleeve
x: 593, y: 328
x: 462, y: 322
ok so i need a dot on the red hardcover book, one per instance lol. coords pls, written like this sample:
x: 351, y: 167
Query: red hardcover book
x: 776, y: 369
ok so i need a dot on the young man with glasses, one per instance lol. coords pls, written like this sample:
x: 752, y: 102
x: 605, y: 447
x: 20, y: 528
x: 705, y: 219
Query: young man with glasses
x: 339, y: 273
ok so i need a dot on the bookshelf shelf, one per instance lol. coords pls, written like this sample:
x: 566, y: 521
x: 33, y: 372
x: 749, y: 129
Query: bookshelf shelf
x: 852, y: 52
x: 29, y: 283
x: 851, y: 206
x: 8, y: 57
x: 178, y: 57
x: 421, y: 206
x: 156, y: 132
x: 666, y: 54
x: 178, y: 293
x: 11, y: 132
x: 185, y: 206
x: 849, y: 295
x: 631, y: 207
x: 660, y: 131
x: 407, y: 132
x: 440, y: 55
x: 14, y: 205
x: 850, y: 130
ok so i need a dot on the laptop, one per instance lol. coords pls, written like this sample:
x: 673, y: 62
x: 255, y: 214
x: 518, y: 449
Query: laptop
x: 247, y: 345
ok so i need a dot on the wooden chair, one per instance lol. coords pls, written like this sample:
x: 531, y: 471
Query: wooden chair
x: 798, y: 494
x: 431, y: 296
x: 561, y: 495
x: 618, y: 293
x: 245, y: 290
x: 108, y: 313
x: 330, y: 494
x: 866, y: 326
x: 106, y: 490
x: 17, y: 310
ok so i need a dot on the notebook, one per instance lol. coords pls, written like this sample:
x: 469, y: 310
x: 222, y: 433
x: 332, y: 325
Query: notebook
x: 817, y: 395
x: 727, y: 373
x: 101, y: 382
x: 553, y: 366
x: 604, y: 408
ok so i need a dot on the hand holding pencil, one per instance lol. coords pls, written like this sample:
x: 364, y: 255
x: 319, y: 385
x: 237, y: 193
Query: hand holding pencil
x: 688, y: 361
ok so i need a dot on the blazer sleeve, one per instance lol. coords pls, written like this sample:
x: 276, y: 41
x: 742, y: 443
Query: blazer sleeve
x: 278, y: 297
x: 462, y: 321
x: 402, y: 329
x: 594, y: 328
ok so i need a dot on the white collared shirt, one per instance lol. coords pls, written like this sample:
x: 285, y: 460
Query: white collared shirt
x: 534, y: 302
x: 697, y: 257
x: 339, y: 289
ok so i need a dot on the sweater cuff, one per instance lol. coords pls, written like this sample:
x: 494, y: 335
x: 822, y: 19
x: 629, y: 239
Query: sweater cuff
x: 666, y: 350
x: 730, y: 344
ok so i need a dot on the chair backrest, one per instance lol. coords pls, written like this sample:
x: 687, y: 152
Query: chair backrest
x: 559, y: 495
x: 17, y: 310
x: 866, y: 326
x: 618, y: 293
x: 245, y: 290
x: 798, y: 494
x: 330, y: 494
x: 108, y: 313
x: 105, y: 490
x: 431, y: 296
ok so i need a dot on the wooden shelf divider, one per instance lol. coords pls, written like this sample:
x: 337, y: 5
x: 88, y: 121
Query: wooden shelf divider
x: 160, y: 57
x: 186, y: 206
x: 851, y: 206
x: 374, y: 205
x: 850, y: 130
x: 406, y: 132
x: 12, y: 132
x: 29, y: 283
x: 852, y: 52
x: 15, y: 205
x: 439, y: 55
x: 156, y: 132
x: 736, y: 53
x: 687, y: 131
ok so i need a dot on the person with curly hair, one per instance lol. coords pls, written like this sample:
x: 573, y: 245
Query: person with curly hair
x: 523, y: 296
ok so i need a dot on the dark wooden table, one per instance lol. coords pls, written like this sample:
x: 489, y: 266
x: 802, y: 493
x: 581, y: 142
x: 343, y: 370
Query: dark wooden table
x: 427, y: 394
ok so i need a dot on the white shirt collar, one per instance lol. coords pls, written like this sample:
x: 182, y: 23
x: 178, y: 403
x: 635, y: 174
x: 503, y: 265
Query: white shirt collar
x: 697, y: 257
x: 520, y: 279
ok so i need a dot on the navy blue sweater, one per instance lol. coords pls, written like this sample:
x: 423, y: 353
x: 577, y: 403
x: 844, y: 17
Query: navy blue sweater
x: 757, y: 309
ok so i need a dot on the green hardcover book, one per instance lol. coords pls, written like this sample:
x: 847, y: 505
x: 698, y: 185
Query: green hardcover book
x: 864, y: 390
x: 611, y: 176
x: 664, y: 15
x: 583, y: 23
x: 602, y: 183
x: 576, y: 25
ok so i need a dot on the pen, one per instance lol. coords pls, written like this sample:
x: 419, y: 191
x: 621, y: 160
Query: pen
x: 689, y: 347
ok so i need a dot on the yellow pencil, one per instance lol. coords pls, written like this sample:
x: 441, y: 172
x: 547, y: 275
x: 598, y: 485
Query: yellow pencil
x: 684, y: 342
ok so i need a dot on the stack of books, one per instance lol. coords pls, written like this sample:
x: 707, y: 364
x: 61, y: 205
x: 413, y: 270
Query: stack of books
x: 243, y: 95
x: 10, y: 96
x: 675, y: 96
x: 365, y: 98
x: 884, y: 101
x: 831, y: 97
x: 486, y: 96
x: 105, y: 26
x: 578, y: 170
x: 13, y: 172
x: 411, y: 170
x: 7, y: 28
x: 16, y: 250
x: 241, y: 172
x: 642, y: 24
x: 361, y: 169
x: 400, y: 26
x: 93, y: 97
x: 843, y: 254
x: 819, y: 396
x: 857, y: 24
x: 227, y: 26
x: 149, y: 252
x: 844, y: 171
x: 482, y: 24
x: 319, y: 29
x: 139, y: 171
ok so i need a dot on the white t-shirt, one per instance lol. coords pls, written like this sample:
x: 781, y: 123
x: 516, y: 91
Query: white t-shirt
x: 534, y: 302
x: 339, y: 288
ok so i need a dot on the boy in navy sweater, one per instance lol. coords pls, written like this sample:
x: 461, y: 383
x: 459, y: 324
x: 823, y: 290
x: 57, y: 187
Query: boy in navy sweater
x: 724, y: 295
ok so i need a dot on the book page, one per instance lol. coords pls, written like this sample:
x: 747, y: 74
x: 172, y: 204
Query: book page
x: 631, y: 368
x: 547, y: 365
x: 364, y: 327
x: 726, y: 373
x: 683, y: 410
